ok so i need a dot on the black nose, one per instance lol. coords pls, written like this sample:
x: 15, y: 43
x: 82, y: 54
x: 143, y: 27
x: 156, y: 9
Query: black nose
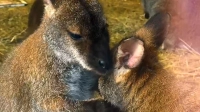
x: 102, y: 64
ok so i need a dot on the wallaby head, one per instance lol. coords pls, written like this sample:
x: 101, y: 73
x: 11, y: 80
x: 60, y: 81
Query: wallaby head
x: 76, y: 33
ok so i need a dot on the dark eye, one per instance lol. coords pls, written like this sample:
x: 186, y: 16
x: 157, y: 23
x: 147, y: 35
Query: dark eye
x: 74, y: 36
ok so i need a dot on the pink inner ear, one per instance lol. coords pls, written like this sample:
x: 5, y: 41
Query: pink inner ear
x: 133, y: 51
x: 136, y: 57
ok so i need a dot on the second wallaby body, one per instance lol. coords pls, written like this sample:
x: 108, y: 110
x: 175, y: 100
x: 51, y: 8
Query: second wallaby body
x: 141, y: 81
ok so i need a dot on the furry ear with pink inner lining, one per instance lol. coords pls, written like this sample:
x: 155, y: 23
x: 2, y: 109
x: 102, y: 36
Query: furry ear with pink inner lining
x: 130, y: 52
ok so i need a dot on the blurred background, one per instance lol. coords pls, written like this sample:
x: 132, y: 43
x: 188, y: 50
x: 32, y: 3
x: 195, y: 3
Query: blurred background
x: 123, y: 16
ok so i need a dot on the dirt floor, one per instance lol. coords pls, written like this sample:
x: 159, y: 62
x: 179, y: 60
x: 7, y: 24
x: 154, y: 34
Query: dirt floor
x: 124, y: 17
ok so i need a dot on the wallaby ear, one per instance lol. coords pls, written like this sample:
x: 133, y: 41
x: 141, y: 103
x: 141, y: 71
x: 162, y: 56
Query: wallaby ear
x: 130, y: 53
x: 155, y: 29
x: 158, y: 25
x: 49, y: 8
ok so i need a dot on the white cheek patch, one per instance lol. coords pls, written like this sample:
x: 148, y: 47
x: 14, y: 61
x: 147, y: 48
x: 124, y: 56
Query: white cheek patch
x: 62, y: 56
x: 72, y: 56
x: 81, y: 60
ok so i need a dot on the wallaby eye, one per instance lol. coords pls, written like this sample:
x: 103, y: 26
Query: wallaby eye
x: 74, y: 36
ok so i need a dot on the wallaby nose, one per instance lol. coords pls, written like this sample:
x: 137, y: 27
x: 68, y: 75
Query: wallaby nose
x: 103, y: 64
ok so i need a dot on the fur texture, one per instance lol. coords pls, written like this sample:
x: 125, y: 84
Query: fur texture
x: 59, y: 64
x: 153, y: 85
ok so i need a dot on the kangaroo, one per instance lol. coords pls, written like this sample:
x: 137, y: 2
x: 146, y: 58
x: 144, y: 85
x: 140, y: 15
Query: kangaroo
x: 58, y: 66
x: 142, y: 82
x: 183, y: 28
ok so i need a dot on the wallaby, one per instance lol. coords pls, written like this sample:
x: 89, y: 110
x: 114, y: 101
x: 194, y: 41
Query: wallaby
x: 58, y: 66
x: 183, y: 28
x: 142, y: 82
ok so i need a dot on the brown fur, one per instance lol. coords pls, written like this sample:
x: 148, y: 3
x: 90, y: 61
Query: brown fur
x: 154, y: 85
x: 58, y: 66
